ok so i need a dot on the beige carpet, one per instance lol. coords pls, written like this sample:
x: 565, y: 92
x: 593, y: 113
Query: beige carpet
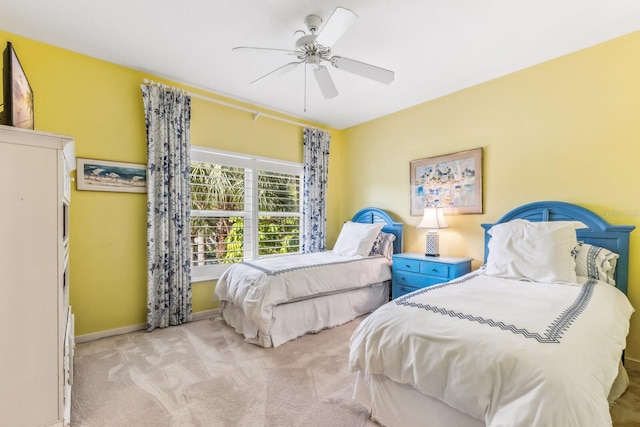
x: 203, y: 374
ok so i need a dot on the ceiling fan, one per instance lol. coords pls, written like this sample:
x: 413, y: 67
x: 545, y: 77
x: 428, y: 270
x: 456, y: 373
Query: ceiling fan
x: 313, y: 48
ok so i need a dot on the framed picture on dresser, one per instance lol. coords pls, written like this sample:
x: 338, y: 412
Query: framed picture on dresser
x: 452, y: 181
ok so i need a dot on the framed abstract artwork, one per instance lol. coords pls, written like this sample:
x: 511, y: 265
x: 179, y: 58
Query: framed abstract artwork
x: 452, y: 181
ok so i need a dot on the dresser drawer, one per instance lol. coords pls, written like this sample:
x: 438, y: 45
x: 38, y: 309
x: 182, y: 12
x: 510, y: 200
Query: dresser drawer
x: 415, y: 280
x: 434, y: 269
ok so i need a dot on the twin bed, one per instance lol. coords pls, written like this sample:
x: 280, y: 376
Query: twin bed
x: 274, y: 300
x: 533, y: 338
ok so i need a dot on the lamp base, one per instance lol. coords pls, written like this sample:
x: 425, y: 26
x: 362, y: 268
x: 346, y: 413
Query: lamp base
x: 433, y: 243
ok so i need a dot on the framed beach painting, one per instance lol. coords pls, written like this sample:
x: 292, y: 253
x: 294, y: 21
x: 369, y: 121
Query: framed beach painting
x: 452, y: 181
x: 103, y: 175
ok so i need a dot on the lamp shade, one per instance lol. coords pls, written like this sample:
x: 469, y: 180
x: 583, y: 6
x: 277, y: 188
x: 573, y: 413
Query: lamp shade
x: 433, y: 218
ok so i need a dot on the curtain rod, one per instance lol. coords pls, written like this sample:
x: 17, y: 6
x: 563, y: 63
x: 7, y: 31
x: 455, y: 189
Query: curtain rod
x: 256, y: 113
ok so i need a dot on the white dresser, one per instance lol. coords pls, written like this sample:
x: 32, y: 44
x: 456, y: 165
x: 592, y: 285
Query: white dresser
x: 36, y: 359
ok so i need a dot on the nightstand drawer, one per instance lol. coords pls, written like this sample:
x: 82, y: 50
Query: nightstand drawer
x: 412, y: 271
x: 415, y: 280
x: 435, y: 269
x: 407, y: 265
x: 400, y: 290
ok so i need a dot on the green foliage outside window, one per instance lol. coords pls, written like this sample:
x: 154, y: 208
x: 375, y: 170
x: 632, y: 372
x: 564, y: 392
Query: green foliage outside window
x: 218, y: 238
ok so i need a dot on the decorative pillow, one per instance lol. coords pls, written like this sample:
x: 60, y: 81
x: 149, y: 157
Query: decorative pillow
x: 595, y: 262
x: 383, y: 245
x: 356, y: 238
x: 538, y: 251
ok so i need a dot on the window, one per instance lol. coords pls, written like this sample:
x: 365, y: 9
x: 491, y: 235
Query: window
x: 242, y: 208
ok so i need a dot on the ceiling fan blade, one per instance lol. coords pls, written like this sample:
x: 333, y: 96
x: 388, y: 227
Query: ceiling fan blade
x: 337, y: 24
x: 279, y: 71
x: 263, y: 49
x: 365, y: 70
x: 325, y: 82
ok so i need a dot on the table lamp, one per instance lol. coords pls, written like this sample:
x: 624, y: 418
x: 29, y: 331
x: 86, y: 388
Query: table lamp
x: 433, y: 219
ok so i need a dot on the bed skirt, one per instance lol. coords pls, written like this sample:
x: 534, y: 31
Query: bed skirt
x: 295, y: 319
x: 392, y: 404
x: 398, y: 405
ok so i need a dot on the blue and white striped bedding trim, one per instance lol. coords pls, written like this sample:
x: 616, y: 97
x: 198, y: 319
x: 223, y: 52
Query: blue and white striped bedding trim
x: 592, y: 266
x: 553, y: 333
x: 269, y: 272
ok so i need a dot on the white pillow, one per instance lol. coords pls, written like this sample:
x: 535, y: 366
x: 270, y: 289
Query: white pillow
x: 538, y: 251
x: 595, y: 262
x: 356, y: 238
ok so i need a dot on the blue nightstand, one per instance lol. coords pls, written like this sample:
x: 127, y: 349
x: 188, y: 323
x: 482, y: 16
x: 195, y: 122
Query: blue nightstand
x: 413, y: 271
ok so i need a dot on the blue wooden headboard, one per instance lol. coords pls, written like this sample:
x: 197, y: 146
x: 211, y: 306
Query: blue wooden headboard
x: 598, y: 232
x: 375, y: 215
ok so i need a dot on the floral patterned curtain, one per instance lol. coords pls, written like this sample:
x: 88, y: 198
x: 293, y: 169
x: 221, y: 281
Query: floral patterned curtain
x: 167, y: 116
x: 316, y: 170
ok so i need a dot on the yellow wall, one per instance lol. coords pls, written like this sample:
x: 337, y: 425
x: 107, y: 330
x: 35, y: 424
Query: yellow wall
x: 100, y: 104
x: 564, y: 130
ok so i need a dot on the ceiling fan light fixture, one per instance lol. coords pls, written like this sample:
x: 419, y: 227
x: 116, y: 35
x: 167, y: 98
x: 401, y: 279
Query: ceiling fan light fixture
x: 315, y: 46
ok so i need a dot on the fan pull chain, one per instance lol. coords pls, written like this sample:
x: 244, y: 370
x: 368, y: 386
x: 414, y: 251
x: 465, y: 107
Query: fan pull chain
x: 305, y: 87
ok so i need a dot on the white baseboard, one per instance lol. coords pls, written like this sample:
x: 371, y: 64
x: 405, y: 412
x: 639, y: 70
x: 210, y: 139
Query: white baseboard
x: 206, y: 314
x: 201, y: 315
x: 631, y: 363
x: 109, y: 333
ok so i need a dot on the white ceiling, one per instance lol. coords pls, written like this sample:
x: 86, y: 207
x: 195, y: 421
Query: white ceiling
x: 435, y: 47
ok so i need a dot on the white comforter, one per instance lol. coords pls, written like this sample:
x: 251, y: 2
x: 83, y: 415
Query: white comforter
x: 257, y: 286
x: 511, y: 353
